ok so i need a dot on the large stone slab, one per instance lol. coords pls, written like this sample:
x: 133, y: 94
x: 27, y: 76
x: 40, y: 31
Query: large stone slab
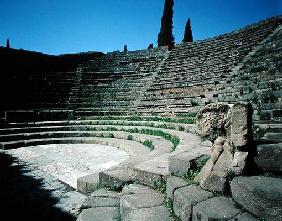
x: 151, y: 171
x: 180, y: 163
x: 186, y: 197
x: 114, y: 178
x: 88, y: 184
x: 260, y: 195
x: 217, y: 208
x: 157, y: 213
x: 100, y: 214
x: 137, y: 189
x: 269, y: 157
x: 174, y: 183
x: 139, y: 199
x: 102, y: 198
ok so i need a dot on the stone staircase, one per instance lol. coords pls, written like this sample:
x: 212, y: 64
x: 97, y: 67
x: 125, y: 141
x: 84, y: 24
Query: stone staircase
x: 199, y: 73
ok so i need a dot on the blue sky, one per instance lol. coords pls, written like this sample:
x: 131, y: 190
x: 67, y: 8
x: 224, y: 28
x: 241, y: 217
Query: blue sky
x: 69, y: 26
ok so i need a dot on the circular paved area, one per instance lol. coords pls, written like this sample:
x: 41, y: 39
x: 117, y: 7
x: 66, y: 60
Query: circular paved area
x: 67, y: 162
x: 52, y: 171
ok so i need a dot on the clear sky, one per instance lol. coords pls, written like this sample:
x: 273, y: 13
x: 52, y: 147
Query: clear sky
x: 68, y: 26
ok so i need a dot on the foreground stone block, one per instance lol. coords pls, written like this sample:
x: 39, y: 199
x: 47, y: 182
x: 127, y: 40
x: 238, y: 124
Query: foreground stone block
x: 157, y: 213
x: 114, y: 178
x: 218, y: 208
x: 88, y: 184
x: 100, y: 214
x: 269, y: 157
x: 137, y: 189
x: 260, y: 195
x: 102, y: 198
x: 138, y: 199
x: 174, y: 183
x: 151, y: 171
x: 180, y: 163
x: 186, y: 197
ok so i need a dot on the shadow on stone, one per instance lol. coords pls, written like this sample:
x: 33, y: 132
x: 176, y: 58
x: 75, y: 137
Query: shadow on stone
x: 23, y: 198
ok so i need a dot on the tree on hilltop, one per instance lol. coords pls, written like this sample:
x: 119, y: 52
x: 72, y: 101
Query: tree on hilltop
x: 8, y: 44
x: 125, y: 48
x: 188, y: 37
x: 165, y: 37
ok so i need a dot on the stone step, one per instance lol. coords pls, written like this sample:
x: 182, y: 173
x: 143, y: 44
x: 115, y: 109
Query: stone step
x: 260, y: 195
x: 34, y: 142
x: 181, y: 162
x: 150, y: 172
x: 99, y: 214
x: 217, y: 208
x: 114, y: 178
x: 173, y: 183
x: 102, y: 198
x: 142, y: 203
x: 186, y: 197
x: 269, y: 157
x: 271, y: 138
x: 88, y: 184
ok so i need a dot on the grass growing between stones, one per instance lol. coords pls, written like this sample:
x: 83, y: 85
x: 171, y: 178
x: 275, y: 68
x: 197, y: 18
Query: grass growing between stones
x: 160, y: 185
x: 142, y: 123
x: 169, y: 205
x: 195, y: 170
x: 174, y: 139
x: 185, y: 120
x: 149, y: 144
x: 190, y: 176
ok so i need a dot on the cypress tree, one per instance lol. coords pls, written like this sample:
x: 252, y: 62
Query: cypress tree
x: 165, y: 37
x: 150, y: 46
x: 125, y: 48
x: 8, y: 43
x: 188, y: 37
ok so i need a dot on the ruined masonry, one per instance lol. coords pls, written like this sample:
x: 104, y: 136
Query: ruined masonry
x: 194, y: 133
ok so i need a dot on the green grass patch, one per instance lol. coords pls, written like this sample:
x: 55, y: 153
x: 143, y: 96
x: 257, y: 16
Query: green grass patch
x: 169, y: 205
x: 174, y: 139
x: 160, y: 185
x: 149, y: 144
x: 129, y: 137
x: 188, y: 119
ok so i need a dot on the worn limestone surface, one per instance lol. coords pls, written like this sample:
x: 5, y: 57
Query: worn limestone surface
x: 260, y: 195
x: 102, y: 198
x: 100, y: 214
x: 186, y: 197
x: 218, y: 208
x: 142, y: 203
x: 173, y: 183
x: 67, y: 162
x: 58, y: 166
